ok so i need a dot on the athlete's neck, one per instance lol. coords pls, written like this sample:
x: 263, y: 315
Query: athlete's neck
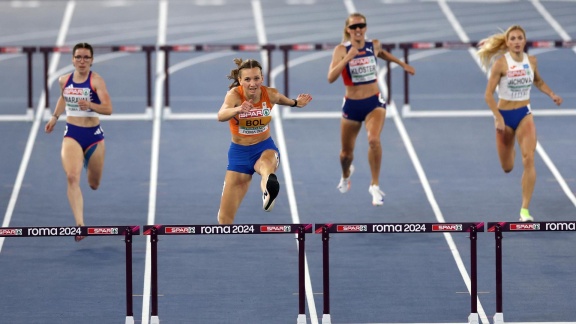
x: 358, y: 43
x: 518, y: 57
x: 79, y: 77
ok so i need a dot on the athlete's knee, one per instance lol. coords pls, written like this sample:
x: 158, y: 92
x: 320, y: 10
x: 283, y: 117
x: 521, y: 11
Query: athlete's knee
x: 346, y: 157
x: 94, y: 185
x: 528, y: 159
x: 374, y: 142
x: 73, y: 178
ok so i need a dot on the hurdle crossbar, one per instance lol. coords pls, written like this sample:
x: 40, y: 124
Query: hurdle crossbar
x: 387, y: 228
x: 235, y: 229
x: 52, y: 231
x: 498, y: 228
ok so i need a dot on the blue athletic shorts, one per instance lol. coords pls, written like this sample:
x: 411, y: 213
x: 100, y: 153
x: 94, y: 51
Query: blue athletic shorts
x: 513, y: 117
x: 242, y: 158
x: 85, y: 136
x: 358, y: 109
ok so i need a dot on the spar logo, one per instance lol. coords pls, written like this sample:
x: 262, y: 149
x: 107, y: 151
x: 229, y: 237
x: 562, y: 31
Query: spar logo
x: 253, y: 113
x: 103, y: 230
x: 524, y: 227
x: 10, y: 232
x: 179, y: 230
x: 516, y: 73
x: 447, y: 228
x: 351, y: 228
x: 74, y: 91
x: 275, y: 229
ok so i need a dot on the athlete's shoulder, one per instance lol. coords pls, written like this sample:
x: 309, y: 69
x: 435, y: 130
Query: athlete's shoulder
x: 63, y: 79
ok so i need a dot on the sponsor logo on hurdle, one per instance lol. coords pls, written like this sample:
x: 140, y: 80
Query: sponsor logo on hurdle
x: 275, y: 229
x: 103, y: 230
x: 447, y: 228
x: 352, y: 228
x: 11, y: 232
x: 524, y: 227
x: 179, y: 230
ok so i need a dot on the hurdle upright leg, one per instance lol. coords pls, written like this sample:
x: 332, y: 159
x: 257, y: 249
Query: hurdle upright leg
x: 129, y: 295
x: 499, y: 316
x: 326, y: 275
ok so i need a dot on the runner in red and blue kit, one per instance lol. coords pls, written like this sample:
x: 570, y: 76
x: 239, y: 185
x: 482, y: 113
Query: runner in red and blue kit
x: 355, y: 60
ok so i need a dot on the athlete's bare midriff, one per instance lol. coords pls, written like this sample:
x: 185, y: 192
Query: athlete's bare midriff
x: 362, y: 91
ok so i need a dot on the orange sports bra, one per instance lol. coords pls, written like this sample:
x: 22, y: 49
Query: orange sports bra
x: 254, y: 122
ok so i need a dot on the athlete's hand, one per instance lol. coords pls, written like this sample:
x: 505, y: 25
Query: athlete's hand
x: 557, y: 99
x: 351, y: 53
x: 83, y: 104
x: 50, y: 125
x: 246, y: 106
x: 499, y: 124
x: 303, y: 99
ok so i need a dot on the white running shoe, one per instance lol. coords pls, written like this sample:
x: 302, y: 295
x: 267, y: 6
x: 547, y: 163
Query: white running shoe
x: 377, y: 195
x: 272, y: 189
x: 344, y: 184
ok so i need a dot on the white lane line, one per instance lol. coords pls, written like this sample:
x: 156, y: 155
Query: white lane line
x: 420, y: 170
x: 281, y: 142
x: 157, y: 119
x: 37, y: 120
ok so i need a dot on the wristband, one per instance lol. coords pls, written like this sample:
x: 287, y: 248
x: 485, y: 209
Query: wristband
x: 57, y: 116
x: 295, y: 103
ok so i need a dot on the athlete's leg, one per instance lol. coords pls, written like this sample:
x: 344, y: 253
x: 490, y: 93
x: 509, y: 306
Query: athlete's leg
x: 72, y: 162
x: 505, y: 147
x: 96, y: 165
x: 349, y: 130
x: 374, y: 125
x: 526, y: 135
x: 266, y: 164
x: 236, y: 186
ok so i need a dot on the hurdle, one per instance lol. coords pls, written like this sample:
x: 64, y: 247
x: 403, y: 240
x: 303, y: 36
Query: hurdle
x: 17, y: 50
x: 387, y: 228
x: 498, y: 228
x: 52, y: 231
x: 299, y: 230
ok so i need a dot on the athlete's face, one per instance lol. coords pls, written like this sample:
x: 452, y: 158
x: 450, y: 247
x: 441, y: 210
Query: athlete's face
x: 82, y: 59
x: 251, y: 80
x: 356, y: 28
x: 516, y: 41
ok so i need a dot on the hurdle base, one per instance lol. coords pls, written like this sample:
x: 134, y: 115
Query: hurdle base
x: 326, y: 319
x: 301, y: 319
x: 473, y: 318
x: 154, y: 320
x: 499, y: 318
x: 129, y: 320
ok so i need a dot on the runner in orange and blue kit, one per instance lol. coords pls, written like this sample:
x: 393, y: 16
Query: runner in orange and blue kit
x: 355, y: 60
x: 84, y: 97
x: 248, y: 109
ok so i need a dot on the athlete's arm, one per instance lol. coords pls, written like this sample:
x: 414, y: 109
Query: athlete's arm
x: 339, y: 60
x: 232, y: 106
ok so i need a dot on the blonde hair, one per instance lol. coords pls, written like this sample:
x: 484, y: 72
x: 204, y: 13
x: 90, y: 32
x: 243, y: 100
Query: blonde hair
x: 235, y: 73
x: 495, y: 45
x: 346, y: 35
